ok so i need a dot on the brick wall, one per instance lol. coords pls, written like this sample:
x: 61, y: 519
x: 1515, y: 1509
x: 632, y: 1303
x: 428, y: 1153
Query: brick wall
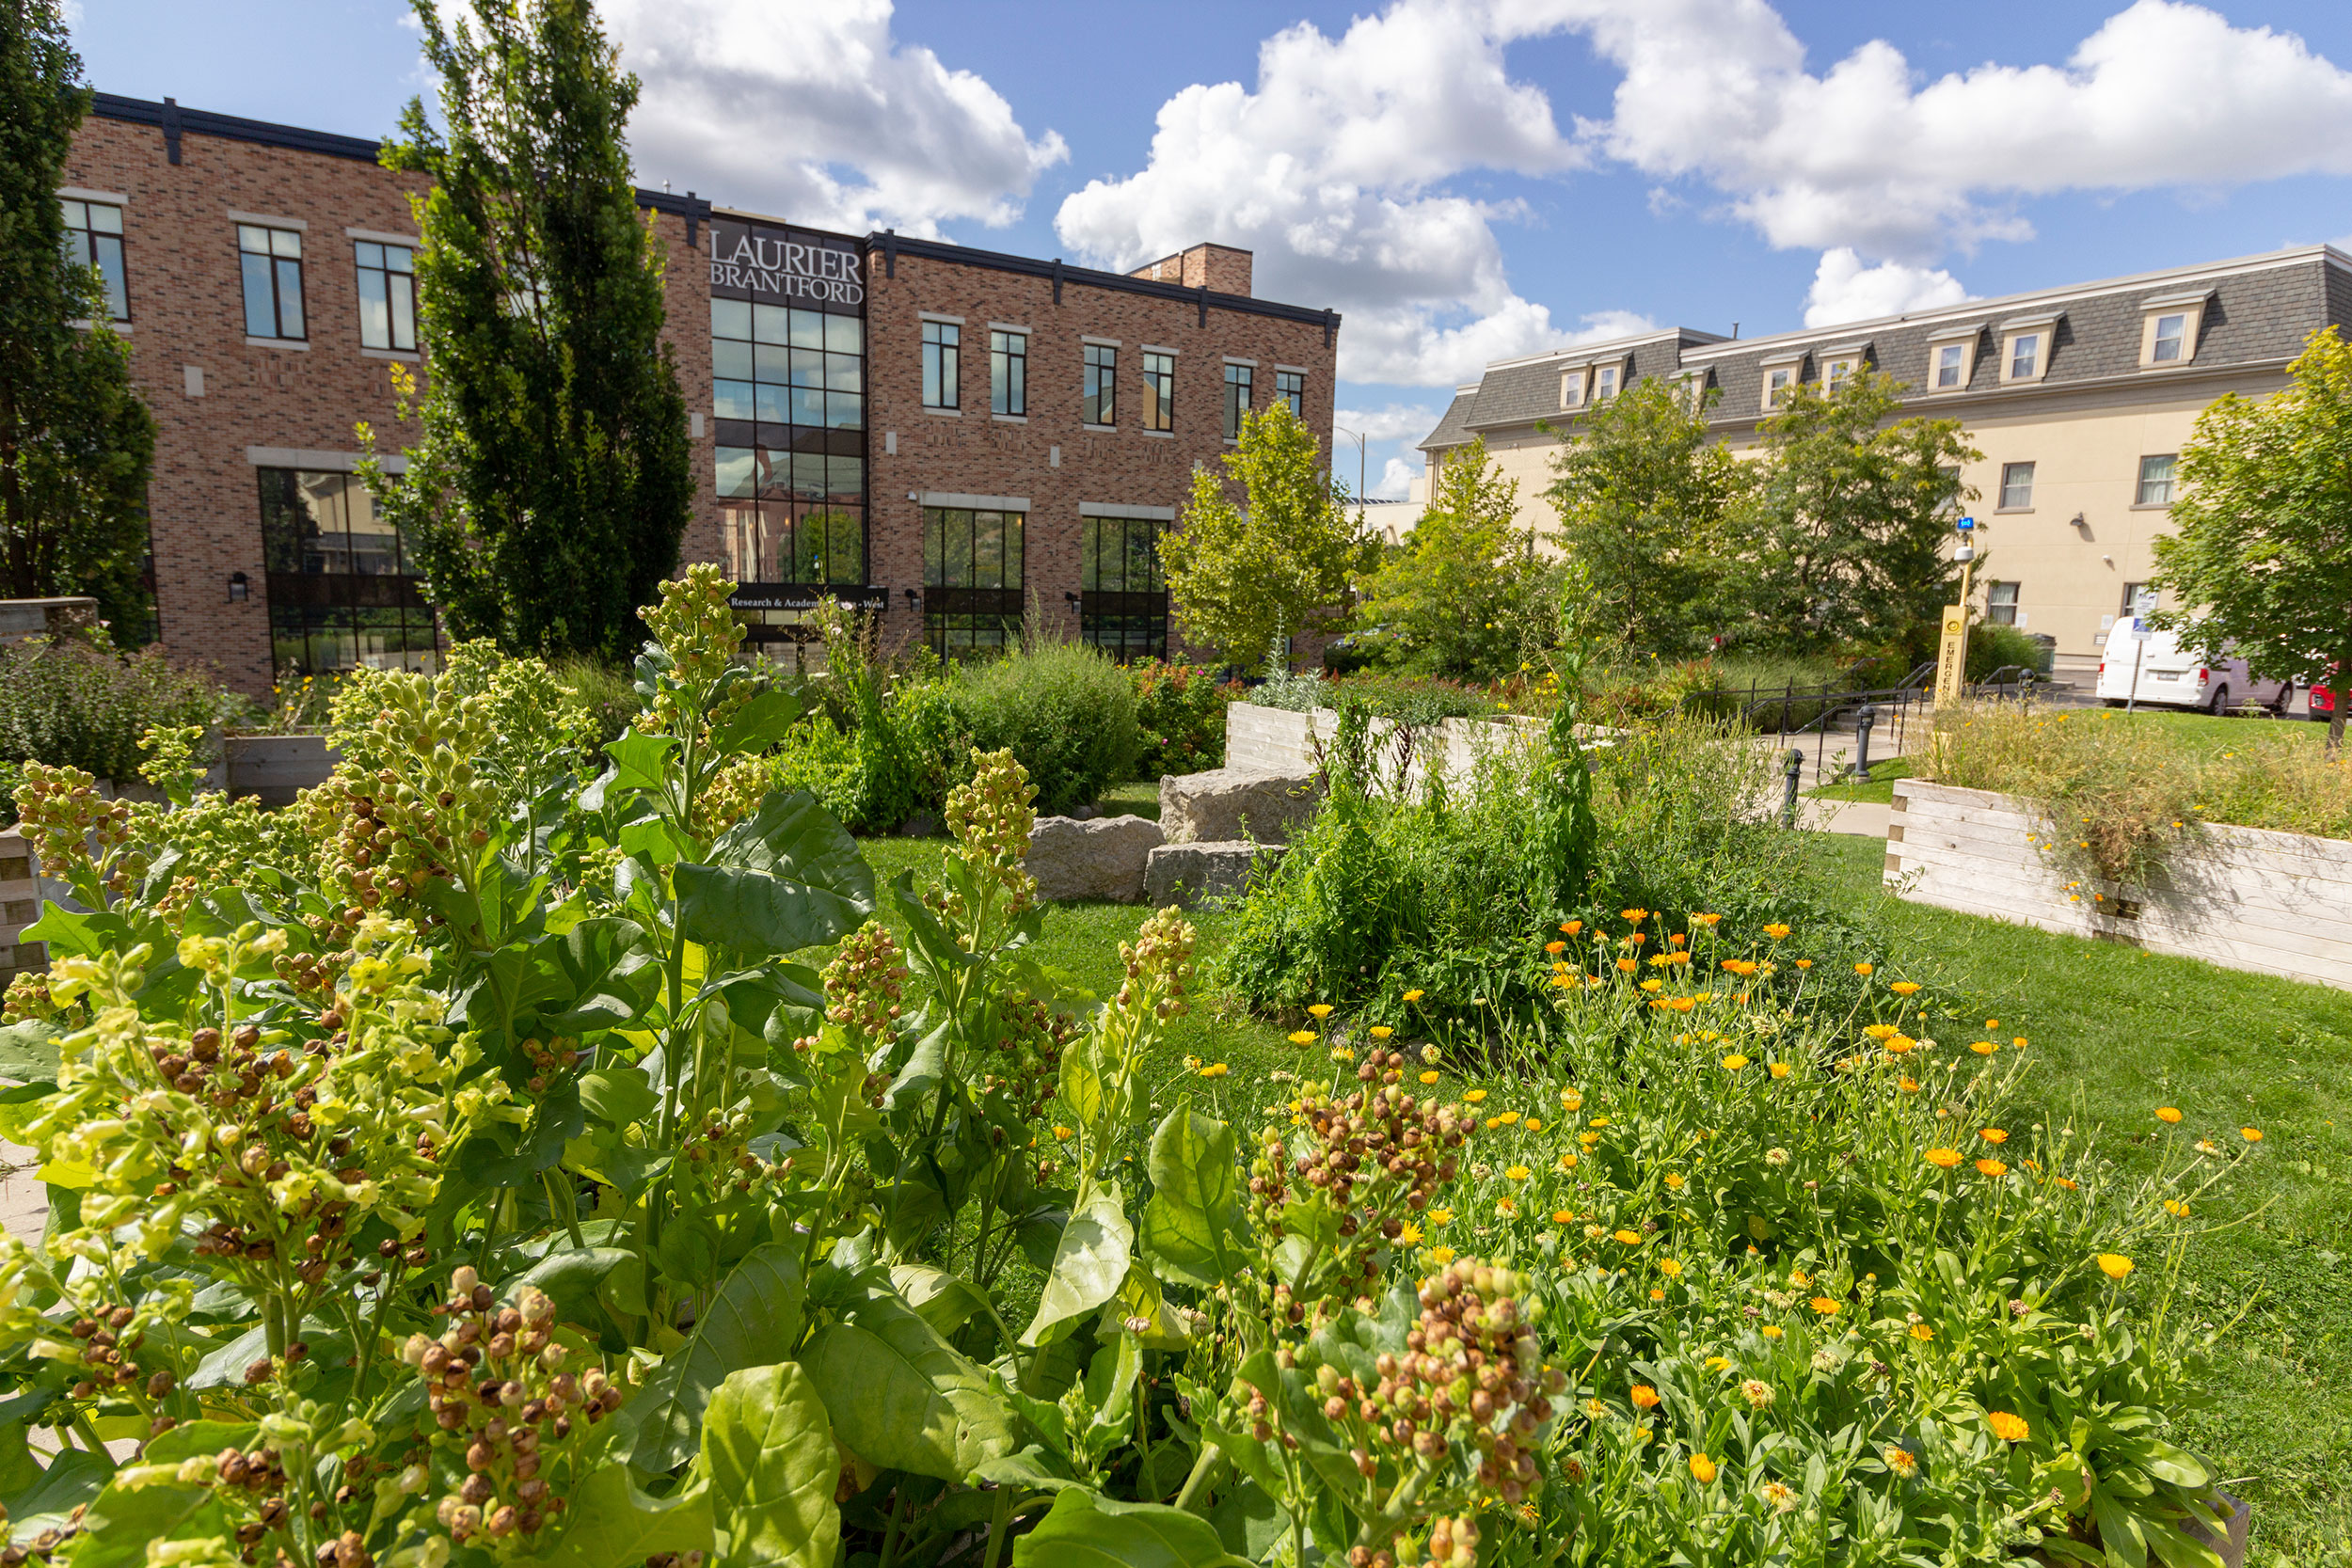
x: 1220, y: 267
x: 187, y: 310
x: 978, y: 454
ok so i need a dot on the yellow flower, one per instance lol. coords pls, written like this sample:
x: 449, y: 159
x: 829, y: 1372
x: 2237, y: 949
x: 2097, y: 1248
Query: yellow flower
x: 2114, y: 1265
x: 1942, y: 1158
x: 1567, y: 1162
x: 1993, y: 1167
x: 2019, y: 1042
x: 1805, y: 963
x: 1901, y: 1461
x: 1596, y: 1410
x: 1703, y: 1467
x: 1533, y: 1125
x: 1380, y: 1031
x: 1597, y: 1122
x: 1635, y: 917
x: 1627, y: 1237
x: 1507, y: 1119
x: 1983, y: 1048
x: 1320, y: 1009
x: 2251, y: 1134
x: 1921, y: 1331
x: 1571, y: 1100
x: 1429, y: 1077
x: 2175, y: 1208
x: 1994, y: 1135
x: 1408, y: 1234
x: 2167, y: 1114
x: 1215, y: 1070
x: 1826, y: 1307
x: 1908, y: 1086
x: 1475, y: 1096
x: 2008, y: 1428
x: 1863, y: 969
x: 1734, y: 1062
x: 1061, y: 1132
x: 1775, y: 930
x: 1562, y: 1217
x: 1518, y: 1173
x: 1879, y: 1030
x: 1644, y: 1397
x: 1670, y: 1268
x: 1438, y: 1257
x: 1904, y: 988
x: 1673, y: 1180
x: 1506, y: 1206
x: 1770, y: 1331
x: 1441, y: 1216
x: 1302, y: 1037
x: 1412, y: 995
x: 1778, y: 1070
x: 1653, y: 985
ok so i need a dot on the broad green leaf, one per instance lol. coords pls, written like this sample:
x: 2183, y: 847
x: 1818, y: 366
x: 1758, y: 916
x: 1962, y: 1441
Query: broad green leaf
x: 1088, y: 1264
x: 611, y: 1523
x: 768, y: 1451
x: 2178, y: 1548
x: 752, y: 911
x: 759, y: 724
x: 28, y: 1053
x: 794, y: 838
x: 121, y: 1522
x: 571, y: 1279
x: 1193, y: 1221
x: 753, y: 1320
x: 2177, y: 1465
x: 1024, y: 1471
x: 640, y: 761
x: 73, y: 1477
x: 618, y: 1095
x: 945, y: 1301
x: 1085, y: 1530
x: 901, y: 1397
x: 607, y: 975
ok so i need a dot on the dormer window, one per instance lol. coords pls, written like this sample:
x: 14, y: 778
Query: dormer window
x: 2169, y: 327
x: 1572, y: 387
x: 1781, y: 374
x: 1840, y: 364
x: 1605, y: 382
x: 2025, y: 345
x: 1952, y: 357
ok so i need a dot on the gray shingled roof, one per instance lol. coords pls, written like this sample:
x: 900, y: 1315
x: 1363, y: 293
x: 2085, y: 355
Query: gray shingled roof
x: 1454, y: 429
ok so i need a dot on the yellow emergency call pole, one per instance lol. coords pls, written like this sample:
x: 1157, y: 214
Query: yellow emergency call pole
x: 1951, y: 651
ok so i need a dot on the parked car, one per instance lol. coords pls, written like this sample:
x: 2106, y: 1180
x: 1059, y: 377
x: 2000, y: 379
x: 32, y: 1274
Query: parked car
x: 2161, y: 671
x: 2323, y: 700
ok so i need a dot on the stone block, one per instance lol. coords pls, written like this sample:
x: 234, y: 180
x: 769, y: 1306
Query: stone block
x: 1099, y: 859
x: 1228, y: 804
x: 1184, y: 874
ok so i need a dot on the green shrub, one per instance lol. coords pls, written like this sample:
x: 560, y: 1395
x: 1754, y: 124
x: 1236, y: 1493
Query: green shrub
x: 83, y: 704
x: 605, y: 691
x: 1066, y: 713
x: 1181, y: 710
x: 1412, y: 700
x: 1992, y: 648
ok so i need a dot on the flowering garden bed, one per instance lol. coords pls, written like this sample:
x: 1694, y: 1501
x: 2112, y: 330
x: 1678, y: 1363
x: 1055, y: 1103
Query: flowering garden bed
x: 515, y: 1160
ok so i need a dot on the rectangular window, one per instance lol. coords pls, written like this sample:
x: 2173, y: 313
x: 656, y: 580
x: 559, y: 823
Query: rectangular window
x: 943, y: 365
x: 2000, y: 603
x: 2025, y: 355
x: 1777, y: 382
x: 1008, y: 373
x: 1123, y: 609
x: 388, y: 296
x: 343, y: 592
x: 271, y: 260
x: 2138, y: 599
x: 2016, y: 487
x: 1572, y: 389
x: 1237, y: 387
x: 1159, y: 391
x: 1099, y: 402
x: 972, y: 581
x: 1835, y: 374
x: 2155, y: 480
x: 93, y: 238
x: 1605, y: 382
x: 2171, y: 337
x: 1290, y: 387
x: 1952, y: 363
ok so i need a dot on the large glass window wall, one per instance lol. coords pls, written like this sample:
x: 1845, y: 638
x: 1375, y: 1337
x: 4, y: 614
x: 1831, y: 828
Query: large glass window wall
x: 1122, y: 606
x: 972, y: 562
x: 343, y: 592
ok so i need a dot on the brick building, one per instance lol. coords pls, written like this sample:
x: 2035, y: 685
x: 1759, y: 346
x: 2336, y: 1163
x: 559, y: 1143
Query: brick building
x: 958, y: 441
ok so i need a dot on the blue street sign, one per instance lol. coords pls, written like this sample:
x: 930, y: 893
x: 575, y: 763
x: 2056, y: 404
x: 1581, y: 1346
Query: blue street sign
x: 1965, y: 524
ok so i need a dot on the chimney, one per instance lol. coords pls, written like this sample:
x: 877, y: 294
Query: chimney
x: 1221, y: 268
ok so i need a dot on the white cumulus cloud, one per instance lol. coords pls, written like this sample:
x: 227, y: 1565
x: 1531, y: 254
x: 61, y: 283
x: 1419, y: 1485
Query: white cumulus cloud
x: 816, y: 112
x: 1843, y: 289
x: 1331, y: 169
x: 1395, y: 481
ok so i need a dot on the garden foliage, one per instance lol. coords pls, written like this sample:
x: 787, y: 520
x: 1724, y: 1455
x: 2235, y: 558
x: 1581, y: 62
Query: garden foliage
x: 1467, y: 594
x: 78, y: 702
x: 559, y: 1162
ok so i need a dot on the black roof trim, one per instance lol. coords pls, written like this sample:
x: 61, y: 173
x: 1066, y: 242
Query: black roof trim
x: 1030, y: 267
x: 326, y: 144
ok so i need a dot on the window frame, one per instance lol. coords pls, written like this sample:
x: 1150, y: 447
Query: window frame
x: 314, y: 605
x: 1098, y: 385
x: 1009, y: 372
x: 2001, y: 500
x: 384, y: 271
x: 2042, y: 330
x: 1159, y: 391
x: 2170, y: 480
x: 1995, y: 604
x: 943, y: 365
x: 1241, y: 392
x: 2188, y: 307
x: 1000, y: 604
x: 1608, y: 381
x: 276, y: 262
x: 93, y: 240
x: 1790, y: 366
x: 1121, y: 608
x: 1290, y: 387
x: 1572, y: 386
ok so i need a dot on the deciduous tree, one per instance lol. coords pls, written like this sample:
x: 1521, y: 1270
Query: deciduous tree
x: 75, y: 441
x: 1279, y: 559
x: 2260, y: 559
x: 553, y: 483
x: 1456, y: 597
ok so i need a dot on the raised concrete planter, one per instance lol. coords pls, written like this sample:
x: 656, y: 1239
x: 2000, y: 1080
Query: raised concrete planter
x: 1277, y: 740
x: 2240, y: 897
x: 1099, y: 859
x: 273, y: 768
x: 1185, y: 874
x: 23, y: 618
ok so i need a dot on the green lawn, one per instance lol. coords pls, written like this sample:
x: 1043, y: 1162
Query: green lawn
x: 2119, y: 1031
x: 1879, y: 788
x: 2116, y: 1033
x: 2205, y: 732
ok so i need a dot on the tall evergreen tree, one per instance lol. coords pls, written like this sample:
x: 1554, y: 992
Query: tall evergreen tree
x: 75, y: 441
x: 553, y: 482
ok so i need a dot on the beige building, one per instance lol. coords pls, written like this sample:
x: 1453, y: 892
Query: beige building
x: 2080, y: 398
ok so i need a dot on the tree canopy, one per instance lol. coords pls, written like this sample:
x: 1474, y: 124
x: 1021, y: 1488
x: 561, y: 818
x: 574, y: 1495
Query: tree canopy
x: 1456, y: 597
x: 2260, y: 559
x: 1278, y: 561
x: 552, y: 483
x: 77, y: 443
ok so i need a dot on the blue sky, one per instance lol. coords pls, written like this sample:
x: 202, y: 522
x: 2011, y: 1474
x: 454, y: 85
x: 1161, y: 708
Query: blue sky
x: 1465, y: 179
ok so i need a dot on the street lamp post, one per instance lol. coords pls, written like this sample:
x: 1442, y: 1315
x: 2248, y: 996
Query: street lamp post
x: 1343, y: 430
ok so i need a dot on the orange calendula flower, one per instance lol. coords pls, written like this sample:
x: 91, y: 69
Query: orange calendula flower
x: 1805, y: 963
x: 1571, y: 926
x: 1635, y: 917
x: 1629, y: 965
x: 2114, y: 1265
x: 1775, y: 930
x: 1864, y: 968
x: 2008, y: 1428
x: 1670, y: 1268
x: 1904, y: 988
x: 1994, y: 1135
x: 1678, y: 939
x: 1674, y: 1181
x: 1429, y: 1077
x: 1628, y: 1238
x: 1901, y: 1461
x: 1562, y: 1217
x: 1734, y: 1062
x: 2167, y: 1114
x: 1992, y: 1167
x: 2066, y: 1182
x: 1944, y: 1158
x: 1921, y: 1331
x: 1742, y: 967
x: 1413, y: 995
x: 1778, y: 1070
x: 1702, y: 1468
x: 2251, y: 1134
x: 1826, y: 1307
x: 1644, y: 1397
x: 1908, y: 1086
x: 1880, y: 1030
x: 1983, y: 1048
x: 1555, y: 947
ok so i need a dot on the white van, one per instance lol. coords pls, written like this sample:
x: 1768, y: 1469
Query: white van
x: 2166, y: 676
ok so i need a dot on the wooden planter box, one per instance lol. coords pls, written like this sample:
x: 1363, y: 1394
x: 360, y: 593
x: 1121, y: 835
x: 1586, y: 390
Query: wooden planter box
x: 20, y: 906
x: 273, y: 768
x: 2240, y: 897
